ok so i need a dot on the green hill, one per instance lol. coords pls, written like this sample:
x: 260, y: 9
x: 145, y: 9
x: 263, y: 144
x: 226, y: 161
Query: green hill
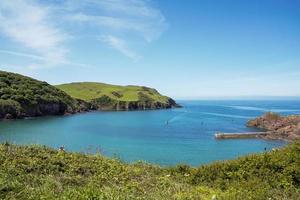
x: 115, y: 97
x: 21, y: 96
x: 36, y: 172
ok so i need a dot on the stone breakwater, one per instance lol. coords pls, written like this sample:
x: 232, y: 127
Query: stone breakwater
x: 277, y: 126
x: 240, y: 135
x: 274, y: 126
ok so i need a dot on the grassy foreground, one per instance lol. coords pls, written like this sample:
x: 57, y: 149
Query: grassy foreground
x: 89, y: 90
x: 38, y: 172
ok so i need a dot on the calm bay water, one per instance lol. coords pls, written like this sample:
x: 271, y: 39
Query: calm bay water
x: 144, y: 135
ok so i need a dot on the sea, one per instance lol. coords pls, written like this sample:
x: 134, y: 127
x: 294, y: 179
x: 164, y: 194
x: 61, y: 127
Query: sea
x: 163, y: 137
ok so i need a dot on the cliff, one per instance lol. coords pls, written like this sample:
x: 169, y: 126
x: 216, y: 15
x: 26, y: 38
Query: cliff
x: 278, y: 127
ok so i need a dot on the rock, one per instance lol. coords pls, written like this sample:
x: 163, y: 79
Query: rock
x: 278, y: 127
x: 106, y: 103
x: 8, y: 116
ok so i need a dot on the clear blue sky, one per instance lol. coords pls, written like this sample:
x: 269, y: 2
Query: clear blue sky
x: 185, y: 49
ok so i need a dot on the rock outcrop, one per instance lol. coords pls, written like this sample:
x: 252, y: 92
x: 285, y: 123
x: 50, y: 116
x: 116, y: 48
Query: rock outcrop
x: 106, y: 103
x: 278, y: 127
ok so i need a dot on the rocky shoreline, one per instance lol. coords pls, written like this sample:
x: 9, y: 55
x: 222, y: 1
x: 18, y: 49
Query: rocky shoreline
x: 83, y: 106
x: 278, y: 127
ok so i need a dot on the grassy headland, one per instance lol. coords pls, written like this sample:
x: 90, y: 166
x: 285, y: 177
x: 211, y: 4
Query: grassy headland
x: 115, y: 97
x: 90, y: 90
x: 37, y: 172
x: 22, y: 96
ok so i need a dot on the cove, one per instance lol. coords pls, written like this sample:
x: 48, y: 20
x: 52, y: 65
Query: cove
x: 164, y: 137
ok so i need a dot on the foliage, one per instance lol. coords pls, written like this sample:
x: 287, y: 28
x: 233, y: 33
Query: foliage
x: 39, y: 172
x: 9, y: 107
x: 144, y: 97
x: 20, y: 93
x: 272, y: 116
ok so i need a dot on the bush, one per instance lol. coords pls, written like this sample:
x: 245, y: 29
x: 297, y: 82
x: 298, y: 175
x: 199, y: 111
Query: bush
x: 272, y: 116
x: 36, y: 172
x: 117, y: 94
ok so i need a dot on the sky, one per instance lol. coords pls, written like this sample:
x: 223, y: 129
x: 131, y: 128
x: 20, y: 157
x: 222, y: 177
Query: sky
x: 185, y: 49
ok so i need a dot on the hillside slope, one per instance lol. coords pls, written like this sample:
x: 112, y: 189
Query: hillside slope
x: 114, y: 97
x: 33, y: 172
x: 21, y: 96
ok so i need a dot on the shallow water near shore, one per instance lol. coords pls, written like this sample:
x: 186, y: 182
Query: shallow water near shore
x: 165, y: 137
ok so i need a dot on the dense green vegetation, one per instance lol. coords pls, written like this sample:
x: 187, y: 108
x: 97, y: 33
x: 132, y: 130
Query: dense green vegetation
x: 36, y: 172
x: 24, y: 96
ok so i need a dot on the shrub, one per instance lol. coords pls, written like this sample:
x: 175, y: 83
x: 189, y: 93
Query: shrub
x: 272, y: 116
x: 36, y: 172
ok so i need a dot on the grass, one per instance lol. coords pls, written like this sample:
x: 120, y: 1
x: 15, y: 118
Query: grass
x: 39, y: 172
x: 89, y: 90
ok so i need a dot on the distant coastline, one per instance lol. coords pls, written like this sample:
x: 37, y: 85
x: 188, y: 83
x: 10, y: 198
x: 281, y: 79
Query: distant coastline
x: 22, y: 96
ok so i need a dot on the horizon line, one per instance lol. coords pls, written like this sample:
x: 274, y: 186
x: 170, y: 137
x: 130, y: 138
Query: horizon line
x: 252, y: 97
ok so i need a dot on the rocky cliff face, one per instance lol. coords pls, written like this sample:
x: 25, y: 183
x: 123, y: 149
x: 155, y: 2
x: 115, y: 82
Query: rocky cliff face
x: 278, y: 127
x: 106, y: 103
x: 41, y: 109
x: 10, y: 109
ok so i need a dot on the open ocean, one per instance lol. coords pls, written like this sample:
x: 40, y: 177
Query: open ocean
x: 188, y: 137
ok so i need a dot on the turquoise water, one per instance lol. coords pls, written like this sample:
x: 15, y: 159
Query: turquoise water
x: 144, y: 135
